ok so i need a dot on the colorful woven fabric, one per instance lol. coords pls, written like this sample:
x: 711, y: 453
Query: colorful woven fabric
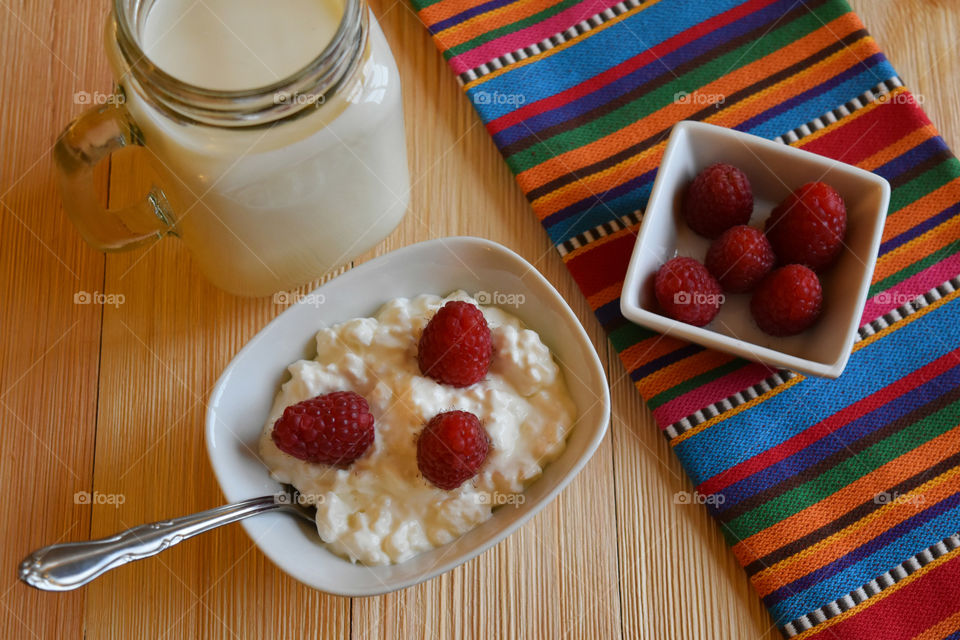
x: 841, y: 498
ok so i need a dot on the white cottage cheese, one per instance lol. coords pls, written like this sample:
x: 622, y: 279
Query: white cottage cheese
x: 380, y: 509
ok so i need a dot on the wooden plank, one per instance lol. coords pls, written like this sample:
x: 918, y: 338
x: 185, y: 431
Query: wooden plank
x: 49, y: 346
x: 558, y: 574
x: 613, y: 556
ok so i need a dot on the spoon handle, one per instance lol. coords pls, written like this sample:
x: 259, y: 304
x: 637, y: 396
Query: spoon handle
x: 66, y: 566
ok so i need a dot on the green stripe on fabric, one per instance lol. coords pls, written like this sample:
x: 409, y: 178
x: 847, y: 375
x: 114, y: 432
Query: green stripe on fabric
x: 628, y: 335
x: 689, y: 385
x: 924, y: 184
x: 843, y: 474
x: 509, y: 28
x: 420, y: 5
x: 659, y: 98
x: 915, y: 268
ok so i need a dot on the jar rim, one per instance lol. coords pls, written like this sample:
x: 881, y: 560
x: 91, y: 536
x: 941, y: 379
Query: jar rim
x: 288, y: 97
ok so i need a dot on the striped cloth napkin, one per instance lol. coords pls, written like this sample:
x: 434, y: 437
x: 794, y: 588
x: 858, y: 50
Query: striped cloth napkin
x: 840, y: 498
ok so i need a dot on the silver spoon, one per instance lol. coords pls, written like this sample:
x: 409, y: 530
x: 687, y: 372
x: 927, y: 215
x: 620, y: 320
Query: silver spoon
x: 66, y: 566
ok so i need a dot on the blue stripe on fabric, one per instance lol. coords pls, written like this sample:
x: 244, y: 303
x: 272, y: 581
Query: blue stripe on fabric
x: 751, y: 432
x: 659, y: 67
x: 800, y: 98
x: 920, y: 229
x: 840, y: 439
x: 596, y: 54
x: 463, y: 16
x: 665, y: 361
x: 818, y: 100
x: 906, y: 161
x: 877, y: 564
x: 644, y: 184
x: 591, y: 212
x: 818, y: 105
x: 863, y: 553
x: 609, y: 312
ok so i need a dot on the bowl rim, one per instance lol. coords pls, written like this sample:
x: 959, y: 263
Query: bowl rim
x: 714, y: 339
x: 578, y: 334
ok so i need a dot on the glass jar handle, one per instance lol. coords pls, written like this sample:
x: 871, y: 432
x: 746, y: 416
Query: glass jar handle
x: 86, y: 141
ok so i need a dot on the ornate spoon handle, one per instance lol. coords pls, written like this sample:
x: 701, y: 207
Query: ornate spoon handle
x: 62, y: 567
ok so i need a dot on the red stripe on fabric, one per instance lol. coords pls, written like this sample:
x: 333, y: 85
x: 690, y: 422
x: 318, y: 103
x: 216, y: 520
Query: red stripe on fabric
x: 601, y: 266
x: 627, y: 66
x: 910, y: 288
x: 824, y: 428
x: 708, y: 393
x: 862, y: 137
x: 536, y: 32
x: 906, y: 612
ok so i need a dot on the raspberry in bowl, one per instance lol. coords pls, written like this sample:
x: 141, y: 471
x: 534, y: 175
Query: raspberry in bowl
x: 718, y: 198
x: 244, y: 399
x: 823, y: 213
x: 437, y: 409
x: 809, y: 226
x: 740, y: 258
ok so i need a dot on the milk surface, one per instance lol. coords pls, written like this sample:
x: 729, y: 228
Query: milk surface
x: 237, y: 44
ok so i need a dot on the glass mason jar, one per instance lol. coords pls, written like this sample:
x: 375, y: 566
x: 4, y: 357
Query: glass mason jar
x: 268, y: 187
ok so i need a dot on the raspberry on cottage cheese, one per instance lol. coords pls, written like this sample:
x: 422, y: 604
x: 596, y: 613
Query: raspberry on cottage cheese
x: 381, y: 510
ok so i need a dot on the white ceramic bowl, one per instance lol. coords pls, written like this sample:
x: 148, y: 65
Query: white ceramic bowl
x: 244, y: 394
x: 774, y: 171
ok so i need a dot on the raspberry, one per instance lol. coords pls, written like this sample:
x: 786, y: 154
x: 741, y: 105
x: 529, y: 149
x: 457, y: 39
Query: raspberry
x: 740, y: 258
x: 788, y: 301
x: 452, y: 448
x: 808, y: 226
x: 335, y: 429
x: 687, y: 291
x: 717, y: 199
x: 455, y: 347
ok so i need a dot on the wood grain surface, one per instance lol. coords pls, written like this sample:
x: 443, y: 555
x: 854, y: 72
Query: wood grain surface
x: 112, y: 398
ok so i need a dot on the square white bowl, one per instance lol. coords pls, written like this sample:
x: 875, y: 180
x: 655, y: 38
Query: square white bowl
x: 774, y: 171
x: 243, y: 396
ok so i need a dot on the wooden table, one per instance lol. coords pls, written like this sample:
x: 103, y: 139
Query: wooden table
x: 112, y: 399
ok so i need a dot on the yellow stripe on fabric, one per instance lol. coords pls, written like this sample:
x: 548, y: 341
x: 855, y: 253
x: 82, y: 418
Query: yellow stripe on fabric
x: 728, y: 116
x: 849, y: 613
x: 797, y: 378
x: 579, y: 251
x: 606, y: 295
x: 942, y: 629
x: 918, y: 248
x: 898, y: 148
x: 452, y: 34
x: 738, y: 409
x: 916, y: 494
x: 806, y: 80
x: 833, y: 126
x: 560, y: 47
